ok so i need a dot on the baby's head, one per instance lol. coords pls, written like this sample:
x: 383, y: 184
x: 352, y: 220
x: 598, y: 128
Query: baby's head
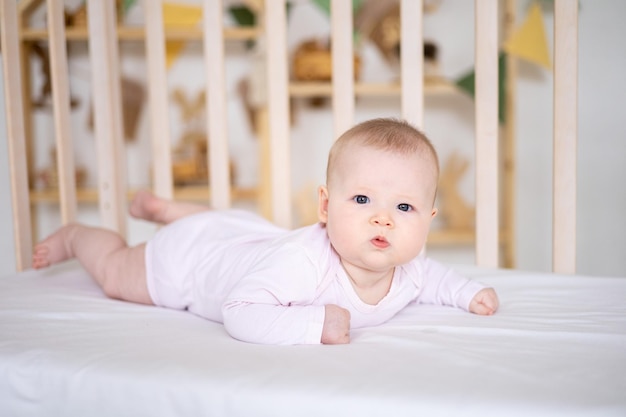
x: 381, y: 183
x: 392, y: 136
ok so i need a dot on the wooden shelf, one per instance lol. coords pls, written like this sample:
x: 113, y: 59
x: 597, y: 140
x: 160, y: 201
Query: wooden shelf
x: 199, y: 193
x: 202, y: 193
x: 451, y: 237
x: 432, y: 85
x: 137, y: 33
x: 446, y: 237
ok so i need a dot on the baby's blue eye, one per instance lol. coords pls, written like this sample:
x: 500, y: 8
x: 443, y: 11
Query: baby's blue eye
x: 361, y: 199
x: 404, y: 207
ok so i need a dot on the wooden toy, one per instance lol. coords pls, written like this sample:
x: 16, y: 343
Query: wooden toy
x: 456, y: 213
x: 312, y: 61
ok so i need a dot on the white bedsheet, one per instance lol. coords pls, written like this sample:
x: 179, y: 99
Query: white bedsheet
x: 556, y: 347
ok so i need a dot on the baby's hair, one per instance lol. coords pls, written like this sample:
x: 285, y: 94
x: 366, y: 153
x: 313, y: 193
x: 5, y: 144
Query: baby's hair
x: 387, y: 134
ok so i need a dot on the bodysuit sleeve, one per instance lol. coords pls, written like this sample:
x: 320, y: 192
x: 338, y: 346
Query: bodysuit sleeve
x: 443, y: 285
x: 273, y: 303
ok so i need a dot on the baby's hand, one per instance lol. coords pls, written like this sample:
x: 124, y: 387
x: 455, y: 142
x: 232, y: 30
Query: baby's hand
x: 485, y: 302
x: 336, y: 328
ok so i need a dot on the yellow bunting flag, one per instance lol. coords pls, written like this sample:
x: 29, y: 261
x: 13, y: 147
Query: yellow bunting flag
x: 529, y: 41
x: 178, y: 16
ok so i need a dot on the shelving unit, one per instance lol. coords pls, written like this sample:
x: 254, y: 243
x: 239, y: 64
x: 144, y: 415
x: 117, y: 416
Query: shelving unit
x: 433, y: 85
x: 124, y: 33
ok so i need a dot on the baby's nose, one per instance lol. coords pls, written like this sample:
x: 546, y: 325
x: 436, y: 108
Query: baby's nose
x: 381, y: 220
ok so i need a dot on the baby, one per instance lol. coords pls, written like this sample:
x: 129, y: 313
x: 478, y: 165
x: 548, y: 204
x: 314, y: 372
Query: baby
x: 359, y: 266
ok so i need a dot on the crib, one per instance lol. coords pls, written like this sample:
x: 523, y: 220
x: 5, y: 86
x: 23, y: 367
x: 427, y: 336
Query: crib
x: 556, y: 347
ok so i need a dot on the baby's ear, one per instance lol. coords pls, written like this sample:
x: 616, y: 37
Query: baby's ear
x: 322, y: 204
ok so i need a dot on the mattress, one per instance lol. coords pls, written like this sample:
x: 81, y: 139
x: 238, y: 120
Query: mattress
x: 557, y: 346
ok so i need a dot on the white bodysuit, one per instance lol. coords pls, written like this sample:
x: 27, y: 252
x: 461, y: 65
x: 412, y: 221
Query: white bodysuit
x: 270, y: 285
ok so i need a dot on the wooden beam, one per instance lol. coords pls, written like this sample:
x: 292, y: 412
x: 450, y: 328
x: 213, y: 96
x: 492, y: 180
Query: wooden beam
x: 278, y: 106
x: 157, y: 95
x: 219, y: 178
x: 16, y: 139
x: 486, y: 133
x: 342, y: 66
x: 105, y: 73
x: 59, y: 74
x: 565, y: 135
x: 412, y: 61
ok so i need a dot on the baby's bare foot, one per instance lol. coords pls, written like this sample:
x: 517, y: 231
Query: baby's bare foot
x: 53, y: 249
x: 147, y: 206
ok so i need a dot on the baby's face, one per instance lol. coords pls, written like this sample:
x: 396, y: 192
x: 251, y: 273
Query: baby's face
x: 378, y: 207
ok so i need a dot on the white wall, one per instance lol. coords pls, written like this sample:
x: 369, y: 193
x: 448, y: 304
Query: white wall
x: 448, y: 121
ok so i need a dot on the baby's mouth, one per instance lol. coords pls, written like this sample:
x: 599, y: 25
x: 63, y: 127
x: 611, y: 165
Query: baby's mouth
x: 380, y: 242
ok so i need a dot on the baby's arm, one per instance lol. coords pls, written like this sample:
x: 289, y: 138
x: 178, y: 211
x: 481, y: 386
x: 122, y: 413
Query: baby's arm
x: 271, y: 323
x: 485, y: 302
x: 274, y: 303
x: 442, y: 285
x: 280, y: 325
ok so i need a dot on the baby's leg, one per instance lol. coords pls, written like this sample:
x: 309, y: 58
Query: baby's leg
x: 147, y: 206
x: 118, y: 269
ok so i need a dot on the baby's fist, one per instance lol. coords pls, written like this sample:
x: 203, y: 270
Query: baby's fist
x: 336, y: 328
x: 485, y: 302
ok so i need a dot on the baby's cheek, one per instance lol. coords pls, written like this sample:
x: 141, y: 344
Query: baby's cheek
x: 416, y: 245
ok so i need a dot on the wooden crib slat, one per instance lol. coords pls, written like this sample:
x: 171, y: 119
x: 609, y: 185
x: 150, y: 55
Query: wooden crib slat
x: 158, y: 100
x: 61, y: 108
x: 412, y: 61
x: 219, y: 176
x: 342, y: 66
x: 278, y: 106
x: 107, y: 111
x: 565, y: 134
x: 486, y: 133
x: 16, y: 140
